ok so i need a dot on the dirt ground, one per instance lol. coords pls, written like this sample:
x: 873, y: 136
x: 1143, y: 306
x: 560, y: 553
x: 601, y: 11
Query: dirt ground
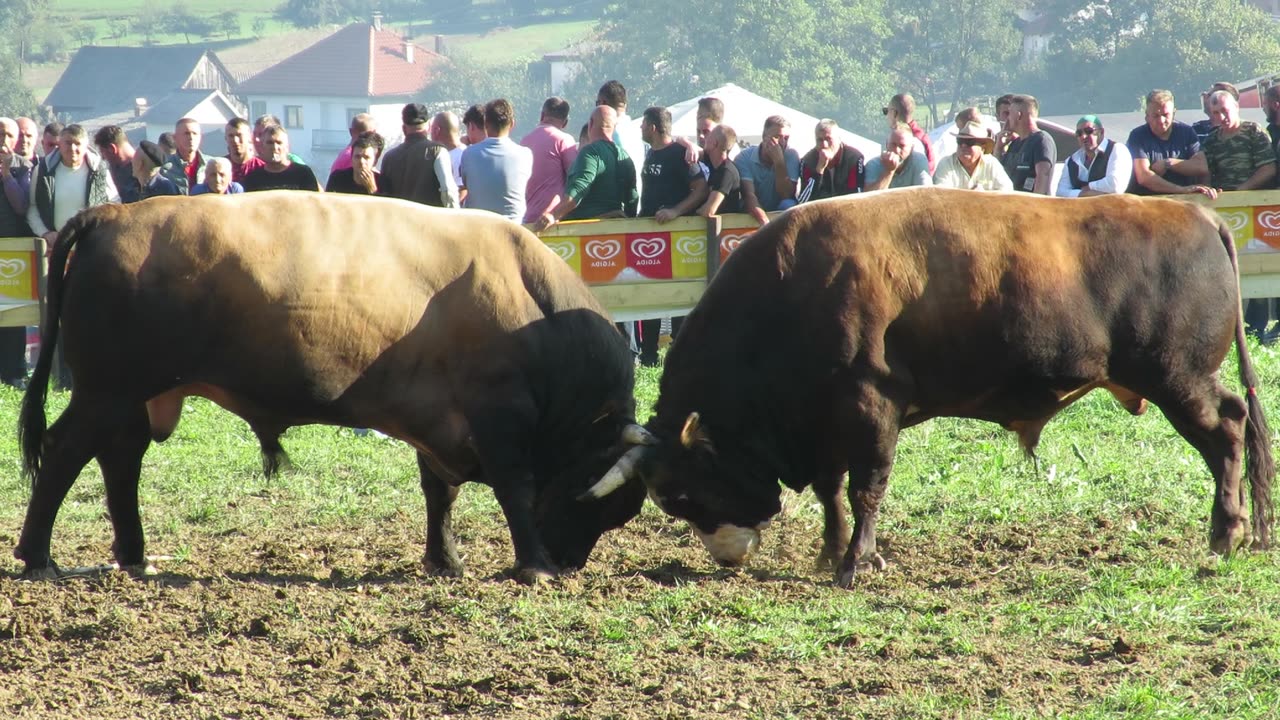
x: 341, y: 622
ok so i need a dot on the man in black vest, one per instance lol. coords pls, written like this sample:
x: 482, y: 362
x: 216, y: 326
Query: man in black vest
x: 418, y: 169
x: 1099, y: 167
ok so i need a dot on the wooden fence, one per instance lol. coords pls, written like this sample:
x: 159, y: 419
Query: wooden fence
x: 639, y: 268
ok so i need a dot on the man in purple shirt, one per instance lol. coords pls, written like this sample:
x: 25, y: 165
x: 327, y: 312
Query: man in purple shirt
x: 360, y: 124
x: 554, y: 151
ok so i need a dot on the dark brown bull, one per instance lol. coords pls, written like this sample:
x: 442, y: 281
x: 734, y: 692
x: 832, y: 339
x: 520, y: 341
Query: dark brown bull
x: 842, y: 322
x: 456, y: 332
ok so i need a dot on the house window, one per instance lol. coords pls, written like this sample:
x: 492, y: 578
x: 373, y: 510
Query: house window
x: 293, y: 116
x: 257, y: 109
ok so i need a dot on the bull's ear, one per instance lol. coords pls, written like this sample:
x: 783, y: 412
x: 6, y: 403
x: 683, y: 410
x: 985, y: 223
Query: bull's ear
x: 693, y: 434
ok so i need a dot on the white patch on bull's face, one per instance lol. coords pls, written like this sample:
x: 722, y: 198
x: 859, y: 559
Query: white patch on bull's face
x: 730, y: 544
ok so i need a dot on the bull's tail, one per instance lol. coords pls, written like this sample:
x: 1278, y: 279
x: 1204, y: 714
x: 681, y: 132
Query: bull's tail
x: 32, y: 422
x: 1259, y: 465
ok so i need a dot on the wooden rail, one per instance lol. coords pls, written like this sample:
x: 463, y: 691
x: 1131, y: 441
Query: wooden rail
x: 639, y: 268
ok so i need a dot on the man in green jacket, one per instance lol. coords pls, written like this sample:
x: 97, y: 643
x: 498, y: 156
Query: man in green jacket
x: 602, y: 182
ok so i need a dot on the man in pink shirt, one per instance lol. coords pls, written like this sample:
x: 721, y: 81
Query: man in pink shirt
x: 360, y: 124
x: 554, y: 151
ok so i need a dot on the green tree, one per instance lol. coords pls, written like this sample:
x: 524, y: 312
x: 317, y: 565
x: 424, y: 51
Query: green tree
x: 1104, y: 56
x: 946, y: 52
x: 313, y: 13
x: 822, y: 57
x: 228, y: 23
x: 181, y: 20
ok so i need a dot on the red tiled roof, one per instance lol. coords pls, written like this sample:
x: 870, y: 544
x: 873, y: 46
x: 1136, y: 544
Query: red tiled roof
x: 356, y: 61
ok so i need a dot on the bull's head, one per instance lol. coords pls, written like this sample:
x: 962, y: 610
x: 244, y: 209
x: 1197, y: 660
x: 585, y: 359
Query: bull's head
x: 687, y: 478
x: 570, y: 527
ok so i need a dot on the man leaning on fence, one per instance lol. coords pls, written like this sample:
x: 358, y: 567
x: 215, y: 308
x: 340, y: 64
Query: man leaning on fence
x: 769, y: 171
x: 602, y: 183
x: 15, y: 176
x: 1159, y: 147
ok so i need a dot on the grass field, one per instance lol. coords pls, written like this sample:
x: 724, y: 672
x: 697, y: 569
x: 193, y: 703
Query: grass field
x: 1082, y: 590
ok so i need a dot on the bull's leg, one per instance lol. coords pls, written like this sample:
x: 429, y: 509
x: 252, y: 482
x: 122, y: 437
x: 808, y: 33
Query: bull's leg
x: 442, y: 553
x: 1213, y: 421
x: 835, y: 531
x: 874, y: 439
x: 68, y: 447
x: 516, y: 497
x: 121, y: 461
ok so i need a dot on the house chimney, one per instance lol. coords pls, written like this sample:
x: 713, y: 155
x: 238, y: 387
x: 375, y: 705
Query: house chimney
x: 408, y: 51
x: 139, y: 106
x: 377, y: 21
x: 440, y: 45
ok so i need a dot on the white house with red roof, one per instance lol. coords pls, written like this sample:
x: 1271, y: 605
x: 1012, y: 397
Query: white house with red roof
x: 364, y: 67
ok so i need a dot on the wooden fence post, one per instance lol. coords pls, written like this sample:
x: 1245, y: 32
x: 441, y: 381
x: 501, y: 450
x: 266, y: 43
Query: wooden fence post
x: 714, y: 226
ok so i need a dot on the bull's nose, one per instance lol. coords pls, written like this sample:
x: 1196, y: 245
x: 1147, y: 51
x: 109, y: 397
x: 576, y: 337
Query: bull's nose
x: 731, y: 545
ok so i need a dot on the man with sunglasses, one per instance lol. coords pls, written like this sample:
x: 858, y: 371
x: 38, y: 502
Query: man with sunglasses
x: 972, y: 167
x: 1099, y: 167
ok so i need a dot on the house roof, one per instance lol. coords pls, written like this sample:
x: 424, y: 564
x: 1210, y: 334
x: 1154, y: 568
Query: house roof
x: 245, y: 60
x: 102, y: 80
x: 357, y: 61
x: 178, y: 105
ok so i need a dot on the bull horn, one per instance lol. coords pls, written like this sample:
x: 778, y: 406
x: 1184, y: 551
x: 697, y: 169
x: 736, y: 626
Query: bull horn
x: 618, y: 475
x: 634, y: 434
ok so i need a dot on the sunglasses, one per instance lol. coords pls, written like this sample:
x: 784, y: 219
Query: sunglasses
x: 1082, y: 132
x: 968, y: 142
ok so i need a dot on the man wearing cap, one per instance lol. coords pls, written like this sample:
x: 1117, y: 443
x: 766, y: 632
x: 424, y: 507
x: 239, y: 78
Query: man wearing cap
x: 1099, y: 167
x: 972, y: 167
x: 832, y: 168
x: 419, y: 169
x: 1159, y: 147
x: 901, y: 110
x: 145, y: 165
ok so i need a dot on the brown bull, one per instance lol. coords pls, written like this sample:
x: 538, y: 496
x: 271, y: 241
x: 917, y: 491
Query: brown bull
x: 842, y: 322
x: 457, y: 332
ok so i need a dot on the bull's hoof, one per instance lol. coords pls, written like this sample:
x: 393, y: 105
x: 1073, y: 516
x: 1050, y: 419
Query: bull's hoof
x: 42, y: 574
x: 140, y: 570
x: 443, y: 567
x: 829, y: 558
x: 534, y: 576
x: 1234, y: 537
x: 870, y: 563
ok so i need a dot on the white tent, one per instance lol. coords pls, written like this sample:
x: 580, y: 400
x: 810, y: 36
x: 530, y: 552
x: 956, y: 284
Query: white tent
x: 745, y: 112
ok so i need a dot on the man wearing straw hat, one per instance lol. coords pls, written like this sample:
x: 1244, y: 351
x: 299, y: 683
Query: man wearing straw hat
x: 972, y: 166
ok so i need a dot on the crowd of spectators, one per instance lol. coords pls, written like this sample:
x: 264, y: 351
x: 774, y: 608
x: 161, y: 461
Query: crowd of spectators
x: 617, y: 168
